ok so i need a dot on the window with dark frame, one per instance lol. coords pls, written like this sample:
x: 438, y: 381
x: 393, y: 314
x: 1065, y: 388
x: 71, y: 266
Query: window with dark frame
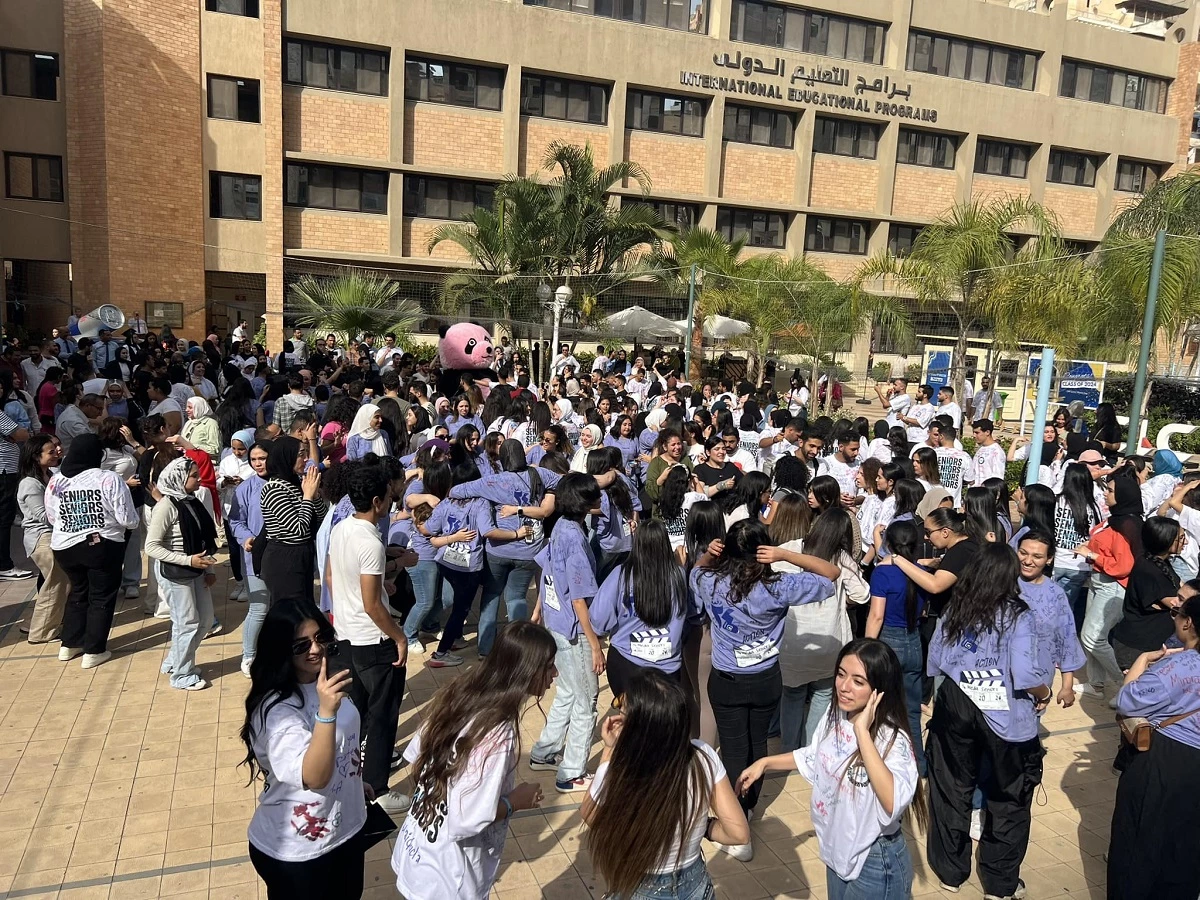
x: 29, y: 176
x: 846, y: 137
x: 1135, y: 176
x: 755, y: 125
x: 27, y: 74
x: 1116, y: 87
x: 456, y: 84
x: 901, y: 238
x: 646, y: 111
x: 233, y: 98
x: 926, y: 148
x: 936, y: 54
x: 234, y: 196
x: 445, y: 198
x: 331, y: 187
x: 809, y: 31
x: 1071, y: 167
x: 336, y: 67
x: 552, y: 97
x: 823, y: 234
x: 248, y: 8
x: 678, y: 15
x: 759, y: 228
x: 1001, y: 158
x: 682, y: 215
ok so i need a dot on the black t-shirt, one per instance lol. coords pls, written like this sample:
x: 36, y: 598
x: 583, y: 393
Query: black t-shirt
x: 710, y: 476
x: 1145, y: 625
x: 956, y: 560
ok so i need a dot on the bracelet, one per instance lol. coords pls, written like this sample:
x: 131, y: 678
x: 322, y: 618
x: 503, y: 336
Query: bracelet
x: 326, y: 720
x: 507, y: 806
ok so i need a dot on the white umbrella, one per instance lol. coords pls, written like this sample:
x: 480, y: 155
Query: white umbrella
x: 719, y: 327
x: 637, y: 320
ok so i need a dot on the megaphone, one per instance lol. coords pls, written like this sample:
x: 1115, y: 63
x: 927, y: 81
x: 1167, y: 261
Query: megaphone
x: 106, y: 316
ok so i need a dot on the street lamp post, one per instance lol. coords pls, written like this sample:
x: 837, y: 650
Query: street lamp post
x: 562, y: 297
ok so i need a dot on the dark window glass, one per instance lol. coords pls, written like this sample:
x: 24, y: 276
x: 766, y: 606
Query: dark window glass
x: 758, y: 227
x: 445, y: 198
x: 233, y: 98
x: 828, y: 235
x: 234, y: 196
x: 660, y: 112
x: 682, y: 215
x: 32, y: 75
x: 336, y: 68
x: 1085, y: 81
x: 1067, y: 167
x: 331, y: 187
x: 749, y: 125
x: 1136, y: 177
x: 972, y: 60
x: 453, y: 83
x: 846, y: 137
x: 559, y: 98
x: 679, y: 15
x: 901, y: 238
x: 999, y: 158
x: 30, y: 177
x: 775, y: 25
x: 924, y: 148
x: 233, y: 7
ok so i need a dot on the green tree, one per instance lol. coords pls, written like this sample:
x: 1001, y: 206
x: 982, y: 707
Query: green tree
x: 352, y: 302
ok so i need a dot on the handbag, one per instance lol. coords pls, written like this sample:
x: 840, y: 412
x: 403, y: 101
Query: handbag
x: 378, y: 827
x: 1138, y: 731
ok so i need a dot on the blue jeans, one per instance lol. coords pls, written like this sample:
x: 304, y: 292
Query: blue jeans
x: 907, y: 645
x: 572, y: 717
x: 259, y: 602
x: 689, y: 883
x: 800, y: 712
x: 886, y: 874
x: 507, y: 578
x: 1074, y: 583
x: 427, y: 588
x: 1105, y: 606
x: 191, y: 614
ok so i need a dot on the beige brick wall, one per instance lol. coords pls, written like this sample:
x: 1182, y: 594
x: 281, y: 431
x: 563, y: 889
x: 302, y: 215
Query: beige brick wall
x: 674, y: 164
x: 1075, y: 208
x: 841, y: 183
x: 453, y: 137
x: 837, y: 265
x: 272, y: 199
x: 922, y: 192
x: 311, y: 229
x: 415, y: 234
x: 335, y: 122
x: 984, y: 187
x: 1181, y: 100
x: 1121, y: 201
x: 757, y: 174
x: 537, y: 134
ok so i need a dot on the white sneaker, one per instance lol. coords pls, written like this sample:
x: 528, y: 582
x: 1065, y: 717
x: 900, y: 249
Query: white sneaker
x: 196, y: 686
x: 1090, y: 689
x: 976, y: 824
x: 239, y: 593
x: 91, y: 660
x: 245, y: 667
x: 743, y: 852
x: 216, y: 629
x: 15, y: 574
x: 66, y: 654
x: 415, y: 645
x: 132, y: 592
x: 394, y: 802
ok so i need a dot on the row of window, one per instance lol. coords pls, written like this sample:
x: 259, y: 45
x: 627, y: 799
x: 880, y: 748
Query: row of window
x: 806, y: 30
x: 681, y: 15
x: 971, y: 60
x: 1085, y: 81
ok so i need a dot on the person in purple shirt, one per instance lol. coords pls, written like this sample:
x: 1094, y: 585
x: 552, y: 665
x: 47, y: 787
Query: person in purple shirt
x: 1055, y: 623
x: 1156, y: 821
x: 510, y: 565
x: 461, y: 415
x: 645, y: 606
x: 621, y: 436
x: 568, y: 586
x: 746, y: 602
x: 985, y: 721
x: 246, y: 522
x: 433, y: 483
x: 612, y: 528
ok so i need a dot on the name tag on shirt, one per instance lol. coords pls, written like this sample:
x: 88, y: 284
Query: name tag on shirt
x: 653, y: 645
x: 458, y: 555
x: 627, y: 528
x: 752, y: 654
x: 985, y: 688
x: 535, y: 531
x: 550, y: 596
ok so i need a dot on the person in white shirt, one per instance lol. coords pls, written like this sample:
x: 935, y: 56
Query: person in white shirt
x: 240, y: 333
x: 562, y: 359
x: 955, y: 467
x: 916, y: 420
x: 864, y: 776
x: 982, y: 398
x: 896, y: 402
x: 842, y: 465
x: 989, y: 458
x: 463, y: 764
x: 384, y: 354
x: 368, y: 638
x: 947, y: 406
x: 600, y: 363
x: 777, y: 441
x: 34, y: 369
x: 736, y: 453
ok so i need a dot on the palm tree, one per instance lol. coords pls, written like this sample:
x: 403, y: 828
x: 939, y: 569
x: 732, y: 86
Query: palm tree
x: 352, y: 302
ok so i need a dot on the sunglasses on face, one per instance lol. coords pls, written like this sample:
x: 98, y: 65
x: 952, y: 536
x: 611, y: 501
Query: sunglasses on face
x: 301, y: 647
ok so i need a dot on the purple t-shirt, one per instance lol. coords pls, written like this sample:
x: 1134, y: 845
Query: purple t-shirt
x: 419, y: 543
x: 1170, y: 687
x: 645, y: 446
x: 746, y: 635
x: 613, y: 613
x: 1055, y: 625
x: 629, y: 451
x: 245, y: 515
x: 568, y: 574
x: 994, y: 669
x: 510, y: 489
x: 451, y: 516
x: 614, y: 532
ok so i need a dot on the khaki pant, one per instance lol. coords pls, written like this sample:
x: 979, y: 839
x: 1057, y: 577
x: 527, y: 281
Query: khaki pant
x: 51, y: 600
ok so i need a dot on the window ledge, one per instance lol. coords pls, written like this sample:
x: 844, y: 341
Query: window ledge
x: 334, y: 212
x: 408, y: 101
x: 358, y: 95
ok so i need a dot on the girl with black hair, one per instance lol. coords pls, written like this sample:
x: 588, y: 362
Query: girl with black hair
x: 1075, y: 514
x: 335, y: 431
x: 1151, y: 593
x: 462, y: 412
x: 824, y: 493
x: 672, y: 506
x: 985, y: 723
x: 304, y: 740
x: 40, y: 455
x: 464, y: 759
x: 979, y: 510
x: 925, y: 466
x: 789, y: 476
x: 432, y: 480
x: 746, y: 603
x: 715, y: 473
x: 748, y: 500
x: 245, y: 524
x: 999, y: 489
x: 644, y: 605
x: 567, y: 588
x: 292, y: 510
x: 1036, y: 504
x: 612, y: 528
x: 871, y: 508
x: 622, y: 438
x: 1057, y: 641
x: 1107, y: 432
x: 864, y: 778
x: 705, y: 524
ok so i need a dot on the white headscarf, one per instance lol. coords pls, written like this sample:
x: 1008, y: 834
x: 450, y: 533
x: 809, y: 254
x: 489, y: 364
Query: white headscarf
x: 655, y: 419
x: 172, y: 479
x: 565, y: 409
x: 579, y: 460
x: 199, y: 408
x: 362, y: 427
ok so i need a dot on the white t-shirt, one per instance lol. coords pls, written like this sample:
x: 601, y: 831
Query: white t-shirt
x: 843, y: 473
x: 292, y: 823
x: 354, y: 549
x: 743, y: 459
x: 1189, y: 521
x: 455, y: 854
x: 955, y: 470
x: 162, y: 407
x: 714, y: 772
x: 923, y: 413
x: 954, y: 411
x: 92, y: 502
x: 989, y: 463
x: 880, y: 449
x: 846, y: 814
x: 897, y: 407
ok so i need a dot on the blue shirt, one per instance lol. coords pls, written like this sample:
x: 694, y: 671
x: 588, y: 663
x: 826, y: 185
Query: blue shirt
x: 245, y: 515
x: 613, y: 532
x: 891, y: 583
x: 1057, y: 642
x: 455, y: 515
x: 1170, y: 687
x: 510, y: 489
x: 568, y: 574
x: 613, y: 613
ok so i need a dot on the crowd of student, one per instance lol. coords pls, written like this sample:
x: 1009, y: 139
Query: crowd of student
x: 738, y: 571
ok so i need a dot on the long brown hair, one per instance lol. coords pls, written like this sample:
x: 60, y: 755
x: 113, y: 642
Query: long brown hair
x: 464, y: 712
x: 658, y: 785
x: 792, y: 520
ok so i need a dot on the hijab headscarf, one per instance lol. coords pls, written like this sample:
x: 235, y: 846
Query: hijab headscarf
x: 281, y: 460
x: 565, y: 408
x: 199, y: 408
x: 84, y: 453
x: 934, y: 497
x: 1167, y: 463
x: 579, y: 461
x: 655, y: 419
x: 208, y: 478
x: 1125, y: 516
x: 361, y: 426
x: 172, y: 479
x: 246, y: 436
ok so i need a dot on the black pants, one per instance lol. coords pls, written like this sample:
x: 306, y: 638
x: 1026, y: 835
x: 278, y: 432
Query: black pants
x: 94, y: 571
x: 287, y: 571
x: 8, y: 513
x: 377, y: 692
x: 606, y: 562
x: 927, y: 626
x: 959, y: 741
x: 464, y: 586
x: 338, y: 875
x: 1126, y: 655
x: 620, y: 670
x: 1156, y: 825
x: 743, y: 705
x: 235, y: 554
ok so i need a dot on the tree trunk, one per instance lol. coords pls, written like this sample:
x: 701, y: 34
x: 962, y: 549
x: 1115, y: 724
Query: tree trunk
x: 813, y: 402
x: 958, y: 373
x: 697, y: 367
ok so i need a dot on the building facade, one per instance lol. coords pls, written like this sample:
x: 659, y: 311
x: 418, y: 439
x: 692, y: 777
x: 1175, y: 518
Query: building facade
x: 177, y: 158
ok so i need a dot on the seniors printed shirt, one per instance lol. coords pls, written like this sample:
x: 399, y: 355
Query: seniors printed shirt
x: 568, y: 574
x: 954, y: 471
x: 1170, y: 687
x: 746, y: 634
x: 995, y: 669
x: 1054, y: 623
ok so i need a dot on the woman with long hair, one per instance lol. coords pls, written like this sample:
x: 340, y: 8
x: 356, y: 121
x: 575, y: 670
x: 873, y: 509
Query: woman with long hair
x: 644, y: 605
x: 985, y: 715
x: 705, y: 524
x: 1075, y: 514
x: 1153, y: 587
x: 537, y: 426
x: 672, y: 503
x: 304, y: 741
x: 292, y: 510
x: 864, y: 778
x: 824, y: 493
x: 979, y: 510
x: 667, y: 452
x: 553, y: 441
x: 613, y: 527
x: 462, y: 412
x: 622, y: 437
x: 1036, y: 505
x: 925, y: 466
x: 245, y: 524
x: 999, y: 489
x: 431, y: 480
x: 747, y: 500
x: 40, y: 455
x: 656, y: 796
x: 747, y: 602
x: 463, y: 763
x: 1107, y: 432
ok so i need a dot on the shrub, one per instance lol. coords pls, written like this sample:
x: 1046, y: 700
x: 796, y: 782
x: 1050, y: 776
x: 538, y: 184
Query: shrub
x: 880, y: 371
